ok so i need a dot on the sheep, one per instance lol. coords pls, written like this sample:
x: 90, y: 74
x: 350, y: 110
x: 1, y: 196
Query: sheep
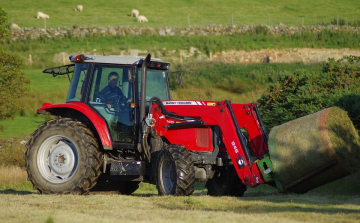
x: 142, y: 18
x: 41, y: 15
x: 79, y: 8
x: 135, y: 13
x: 15, y: 26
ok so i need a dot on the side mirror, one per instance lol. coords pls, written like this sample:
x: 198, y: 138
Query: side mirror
x: 179, y: 79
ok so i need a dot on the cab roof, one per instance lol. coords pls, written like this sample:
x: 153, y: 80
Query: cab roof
x: 114, y: 59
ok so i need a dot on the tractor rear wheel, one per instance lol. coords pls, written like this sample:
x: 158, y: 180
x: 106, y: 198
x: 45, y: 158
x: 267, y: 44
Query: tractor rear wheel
x: 225, y: 183
x: 175, y: 173
x: 63, y: 157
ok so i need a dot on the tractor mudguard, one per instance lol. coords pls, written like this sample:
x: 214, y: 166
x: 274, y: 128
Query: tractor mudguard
x: 96, y: 120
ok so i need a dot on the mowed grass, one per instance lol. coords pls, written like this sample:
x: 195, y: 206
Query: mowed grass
x: 179, y: 13
x: 146, y: 206
x: 22, y: 204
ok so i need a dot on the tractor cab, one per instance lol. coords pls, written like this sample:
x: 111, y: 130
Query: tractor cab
x: 111, y: 86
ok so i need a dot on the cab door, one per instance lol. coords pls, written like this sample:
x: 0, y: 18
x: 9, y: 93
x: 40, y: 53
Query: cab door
x: 119, y: 116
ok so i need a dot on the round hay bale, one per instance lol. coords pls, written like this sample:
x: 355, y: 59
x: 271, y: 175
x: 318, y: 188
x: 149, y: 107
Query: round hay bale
x: 314, y: 150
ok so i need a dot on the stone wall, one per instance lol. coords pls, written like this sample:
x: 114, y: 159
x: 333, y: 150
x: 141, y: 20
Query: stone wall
x: 182, y: 55
x: 206, y: 30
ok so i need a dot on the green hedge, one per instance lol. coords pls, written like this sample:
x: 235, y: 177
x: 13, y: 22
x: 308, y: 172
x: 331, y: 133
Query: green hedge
x: 304, y: 92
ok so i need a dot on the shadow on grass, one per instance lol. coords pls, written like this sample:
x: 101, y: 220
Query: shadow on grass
x: 17, y: 192
x: 144, y: 194
x: 155, y: 194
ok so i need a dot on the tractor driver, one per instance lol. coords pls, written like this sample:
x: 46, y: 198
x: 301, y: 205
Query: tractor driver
x: 112, y: 94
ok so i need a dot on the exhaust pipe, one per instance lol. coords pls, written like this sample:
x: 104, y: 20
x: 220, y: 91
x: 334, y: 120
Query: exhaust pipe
x: 143, y: 87
x: 141, y: 124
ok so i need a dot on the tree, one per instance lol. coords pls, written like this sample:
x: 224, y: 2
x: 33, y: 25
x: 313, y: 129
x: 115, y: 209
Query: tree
x: 13, y: 83
x: 4, y: 32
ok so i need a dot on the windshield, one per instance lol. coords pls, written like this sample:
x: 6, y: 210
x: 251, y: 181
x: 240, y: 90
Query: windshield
x: 77, y: 82
x: 156, y: 84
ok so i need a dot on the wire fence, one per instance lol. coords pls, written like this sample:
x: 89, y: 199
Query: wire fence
x: 185, y: 21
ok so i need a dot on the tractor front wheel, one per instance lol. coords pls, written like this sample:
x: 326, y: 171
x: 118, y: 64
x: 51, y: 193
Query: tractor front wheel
x: 225, y: 183
x: 63, y: 157
x: 175, y: 174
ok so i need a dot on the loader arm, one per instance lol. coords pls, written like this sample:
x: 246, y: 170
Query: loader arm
x: 193, y: 115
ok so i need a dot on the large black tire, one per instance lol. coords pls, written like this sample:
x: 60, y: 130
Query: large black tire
x: 63, y: 157
x: 225, y: 183
x: 175, y: 173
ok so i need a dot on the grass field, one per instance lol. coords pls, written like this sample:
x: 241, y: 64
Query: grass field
x: 149, y: 208
x: 180, y: 13
x: 21, y: 204
x: 327, y: 204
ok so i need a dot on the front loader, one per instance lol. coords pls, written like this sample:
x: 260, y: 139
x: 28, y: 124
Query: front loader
x: 150, y: 138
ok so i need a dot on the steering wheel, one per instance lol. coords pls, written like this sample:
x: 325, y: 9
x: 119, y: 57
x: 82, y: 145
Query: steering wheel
x: 121, y: 105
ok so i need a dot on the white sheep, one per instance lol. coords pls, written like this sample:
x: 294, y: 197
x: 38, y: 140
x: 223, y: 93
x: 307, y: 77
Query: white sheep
x: 79, y: 8
x: 41, y: 15
x: 135, y: 13
x: 15, y: 26
x: 142, y: 18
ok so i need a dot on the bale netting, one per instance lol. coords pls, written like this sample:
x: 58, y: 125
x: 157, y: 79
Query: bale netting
x: 314, y: 150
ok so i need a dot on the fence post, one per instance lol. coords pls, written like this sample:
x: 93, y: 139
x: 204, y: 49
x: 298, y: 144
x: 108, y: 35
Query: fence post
x: 30, y: 60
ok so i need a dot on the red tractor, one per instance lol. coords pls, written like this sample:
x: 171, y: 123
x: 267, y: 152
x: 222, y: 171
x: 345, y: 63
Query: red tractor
x: 95, y: 143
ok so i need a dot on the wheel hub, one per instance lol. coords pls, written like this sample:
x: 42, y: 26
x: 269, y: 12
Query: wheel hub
x: 168, y: 176
x: 61, y: 159
x: 57, y: 159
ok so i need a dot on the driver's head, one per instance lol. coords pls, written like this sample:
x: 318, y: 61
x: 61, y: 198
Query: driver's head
x: 113, y: 79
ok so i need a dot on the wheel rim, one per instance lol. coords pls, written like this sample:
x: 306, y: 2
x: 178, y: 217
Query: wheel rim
x: 57, y: 159
x: 168, y: 176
